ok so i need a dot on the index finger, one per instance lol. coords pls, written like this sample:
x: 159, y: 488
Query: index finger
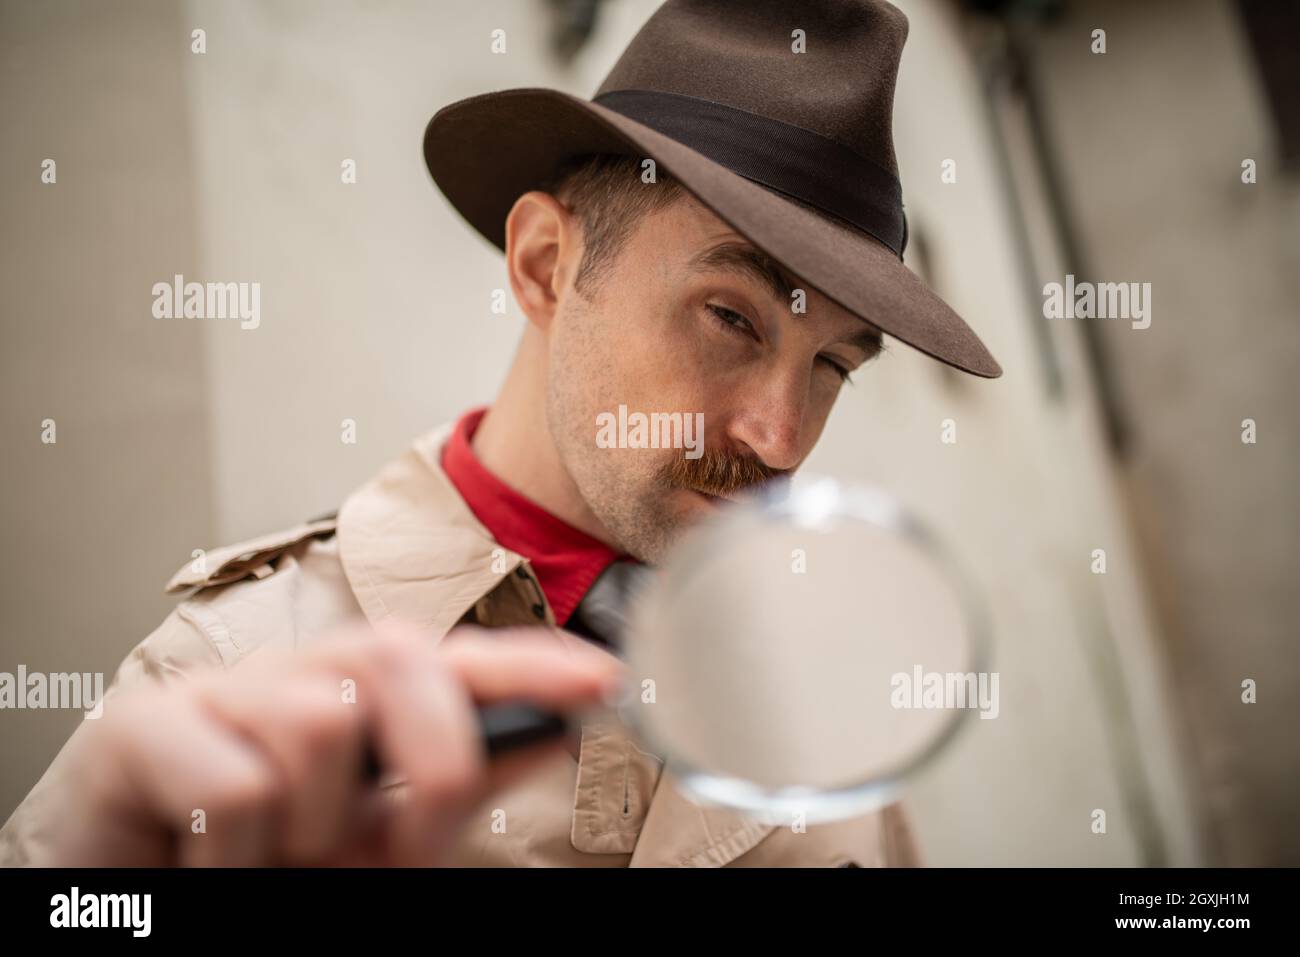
x: 547, y: 668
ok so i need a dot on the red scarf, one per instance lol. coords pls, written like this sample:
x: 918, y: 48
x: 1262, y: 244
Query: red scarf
x: 567, y: 561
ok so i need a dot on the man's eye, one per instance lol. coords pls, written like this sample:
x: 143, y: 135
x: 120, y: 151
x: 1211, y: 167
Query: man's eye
x: 733, y: 320
x: 839, y: 370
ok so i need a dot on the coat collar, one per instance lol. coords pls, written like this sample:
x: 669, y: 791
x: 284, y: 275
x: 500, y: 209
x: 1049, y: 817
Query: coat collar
x: 413, y: 551
x: 410, y: 547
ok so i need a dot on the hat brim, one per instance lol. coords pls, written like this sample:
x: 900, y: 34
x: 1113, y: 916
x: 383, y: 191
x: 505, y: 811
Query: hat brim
x: 486, y: 151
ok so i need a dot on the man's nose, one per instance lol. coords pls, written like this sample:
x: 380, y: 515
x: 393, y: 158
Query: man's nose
x: 770, y: 422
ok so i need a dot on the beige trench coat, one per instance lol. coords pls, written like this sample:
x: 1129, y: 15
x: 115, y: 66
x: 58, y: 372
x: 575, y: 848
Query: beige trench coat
x: 405, y: 546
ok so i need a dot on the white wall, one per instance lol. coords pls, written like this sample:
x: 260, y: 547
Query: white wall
x: 95, y: 523
x: 1026, y: 495
x: 1151, y: 138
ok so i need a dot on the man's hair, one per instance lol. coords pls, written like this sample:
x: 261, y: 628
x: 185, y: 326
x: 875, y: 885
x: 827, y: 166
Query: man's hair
x: 606, y: 193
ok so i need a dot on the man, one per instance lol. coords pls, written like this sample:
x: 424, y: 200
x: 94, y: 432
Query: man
x: 719, y: 232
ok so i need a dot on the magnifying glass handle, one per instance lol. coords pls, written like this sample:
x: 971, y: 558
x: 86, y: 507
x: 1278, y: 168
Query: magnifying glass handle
x: 517, y: 724
x: 506, y: 726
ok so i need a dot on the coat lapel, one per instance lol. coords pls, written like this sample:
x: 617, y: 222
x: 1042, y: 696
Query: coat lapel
x: 680, y: 833
x: 626, y: 802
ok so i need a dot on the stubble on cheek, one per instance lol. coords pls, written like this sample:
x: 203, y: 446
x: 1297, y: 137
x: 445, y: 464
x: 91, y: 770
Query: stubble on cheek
x: 636, y: 343
x: 637, y: 505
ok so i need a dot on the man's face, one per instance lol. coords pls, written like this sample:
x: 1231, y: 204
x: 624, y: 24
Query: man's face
x: 688, y: 320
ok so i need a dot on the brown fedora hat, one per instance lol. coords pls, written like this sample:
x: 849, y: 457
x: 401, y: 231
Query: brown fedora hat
x: 793, y: 150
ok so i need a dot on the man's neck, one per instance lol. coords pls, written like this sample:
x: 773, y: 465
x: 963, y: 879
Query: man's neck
x: 514, y: 443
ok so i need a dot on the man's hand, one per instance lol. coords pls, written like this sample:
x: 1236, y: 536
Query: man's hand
x: 268, y: 755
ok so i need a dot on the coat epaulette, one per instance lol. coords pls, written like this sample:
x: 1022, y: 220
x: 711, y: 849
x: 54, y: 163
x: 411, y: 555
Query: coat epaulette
x: 250, y: 559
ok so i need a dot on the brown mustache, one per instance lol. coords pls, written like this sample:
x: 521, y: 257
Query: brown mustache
x: 717, y: 472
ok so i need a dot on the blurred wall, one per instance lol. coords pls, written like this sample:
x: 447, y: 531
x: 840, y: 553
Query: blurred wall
x: 94, y: 523
x: 1150, y: 138
x: 1026, y: 494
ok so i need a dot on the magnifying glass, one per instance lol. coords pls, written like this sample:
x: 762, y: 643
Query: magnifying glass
x: 806, y: 651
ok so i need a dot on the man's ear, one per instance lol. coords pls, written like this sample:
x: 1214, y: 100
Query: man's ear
x: 541, y: 242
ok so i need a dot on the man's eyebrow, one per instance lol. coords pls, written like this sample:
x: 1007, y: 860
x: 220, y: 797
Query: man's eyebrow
x: 747, y: 261
x: 869, y: 340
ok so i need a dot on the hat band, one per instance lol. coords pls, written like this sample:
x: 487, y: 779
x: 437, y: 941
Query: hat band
x: 797, y: 162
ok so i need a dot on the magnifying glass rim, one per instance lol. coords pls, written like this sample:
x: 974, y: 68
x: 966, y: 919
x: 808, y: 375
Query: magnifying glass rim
x: 812, y: 503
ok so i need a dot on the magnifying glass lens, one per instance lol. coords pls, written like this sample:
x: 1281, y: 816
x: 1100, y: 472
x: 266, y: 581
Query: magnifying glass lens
x: 802, y: 648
